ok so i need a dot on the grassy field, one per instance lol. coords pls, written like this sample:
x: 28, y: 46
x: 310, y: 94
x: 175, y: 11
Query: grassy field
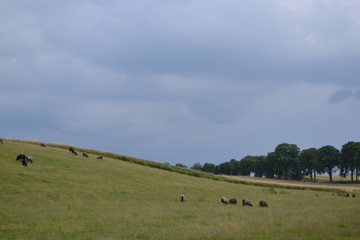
x: 63, y: 196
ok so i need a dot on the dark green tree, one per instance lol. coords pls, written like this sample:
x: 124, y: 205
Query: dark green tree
x: 348, y: 162
x: 309, y: 159
x: 328, y: 159
x: 272, y: 166
x: 245, y: 165
x: 180, y: 165
x: 287, y: 155
x: 259, y: 167
x: 209, y: 167
x: 197, y: 166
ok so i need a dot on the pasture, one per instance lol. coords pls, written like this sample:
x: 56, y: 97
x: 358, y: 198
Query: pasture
x: 64, y: 196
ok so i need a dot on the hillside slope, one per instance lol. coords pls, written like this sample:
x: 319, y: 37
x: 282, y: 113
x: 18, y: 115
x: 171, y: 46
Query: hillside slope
x: 63, y: 196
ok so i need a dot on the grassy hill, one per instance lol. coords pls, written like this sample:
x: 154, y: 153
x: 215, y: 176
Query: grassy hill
x: 63, y: 196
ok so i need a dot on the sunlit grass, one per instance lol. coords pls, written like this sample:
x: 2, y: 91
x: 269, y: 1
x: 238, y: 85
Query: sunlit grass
x: 63, y: 196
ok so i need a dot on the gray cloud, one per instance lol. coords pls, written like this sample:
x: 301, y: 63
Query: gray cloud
x: 342, y: 95
x: 180, y: 81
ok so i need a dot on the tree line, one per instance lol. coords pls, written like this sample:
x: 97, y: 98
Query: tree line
x: 289, y: 162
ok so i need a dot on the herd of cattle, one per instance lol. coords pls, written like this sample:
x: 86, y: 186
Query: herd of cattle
x: 28, y: 159
x: 224, y: 200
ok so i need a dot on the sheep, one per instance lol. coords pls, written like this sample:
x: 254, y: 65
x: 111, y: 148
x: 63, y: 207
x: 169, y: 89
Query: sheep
x: 29, y: 159
x: 182, y: 198
x: 24, y: 159
x: 233, y: 201
x: 100, y: 157
x: 224, y: 200
x: 263, y: 204
x: 42, y: 145
x: 73, y: 151
x: 20, y: 157
x: 246, y: 202
x: 85, y: 155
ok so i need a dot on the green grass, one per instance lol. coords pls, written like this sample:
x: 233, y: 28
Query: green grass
x: 62, y: 196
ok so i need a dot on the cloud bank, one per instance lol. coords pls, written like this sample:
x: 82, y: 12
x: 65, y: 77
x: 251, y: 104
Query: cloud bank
x: 181, y: 81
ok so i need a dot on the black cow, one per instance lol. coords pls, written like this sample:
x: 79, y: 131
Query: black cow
x: 42, y: 145
x: 263, y: 204
x: 73, y: 151
x: 24, y: 159
x: 1, y: 141
x: 233, y: 201
x: 85, y: 155
x: 100, y: 157
x: 20, y: 157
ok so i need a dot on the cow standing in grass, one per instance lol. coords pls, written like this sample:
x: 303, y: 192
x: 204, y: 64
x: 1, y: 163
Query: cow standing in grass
x: 182, y: 198
x: 223, y: 200
x: 263, y: 204
x: 85, y: 155
x: 24, y: 159
x: 73, y: 151
x: 42, y: 145
x: 246, y: 202
x: 100, y: 157
x: 233, y: 201
x: 1, y: 141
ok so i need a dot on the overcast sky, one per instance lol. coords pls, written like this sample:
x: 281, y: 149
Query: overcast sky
x: 181, y: 81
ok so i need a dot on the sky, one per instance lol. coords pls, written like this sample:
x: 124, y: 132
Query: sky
x: 181, y: 81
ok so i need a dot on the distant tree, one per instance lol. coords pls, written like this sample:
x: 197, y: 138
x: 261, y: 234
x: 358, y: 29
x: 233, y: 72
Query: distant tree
x: 348, y: 159
x: 272, y: 166
x: 309, y: 159
x: 259, y: 167
x: 245, y: 165
x: 180, y: 165
x: 328, y: 159
x: 229, y: 168
x: 357, y: 163
x: 287, y: 155
x: 197, y: 166
x: 209, y: 167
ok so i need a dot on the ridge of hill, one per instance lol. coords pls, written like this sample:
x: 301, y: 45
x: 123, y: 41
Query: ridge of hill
x: 261, y: 182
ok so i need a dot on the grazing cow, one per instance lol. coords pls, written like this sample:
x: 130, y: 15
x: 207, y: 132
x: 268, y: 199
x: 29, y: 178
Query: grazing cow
x: 1, y: 141
x: 182, y: 198
x: 24, y: 159
x: 100, y: 157
x: 42, y: 145
x: 246, y: 203
x: 85, y: 155
x: 224, y: 200
x: 233, y: 201
x: 353, y: 195
x: 73, y: 151
x: 347, y: 195
x: 263, y: 204
x: 20, y: 157
x: 29, y: 158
